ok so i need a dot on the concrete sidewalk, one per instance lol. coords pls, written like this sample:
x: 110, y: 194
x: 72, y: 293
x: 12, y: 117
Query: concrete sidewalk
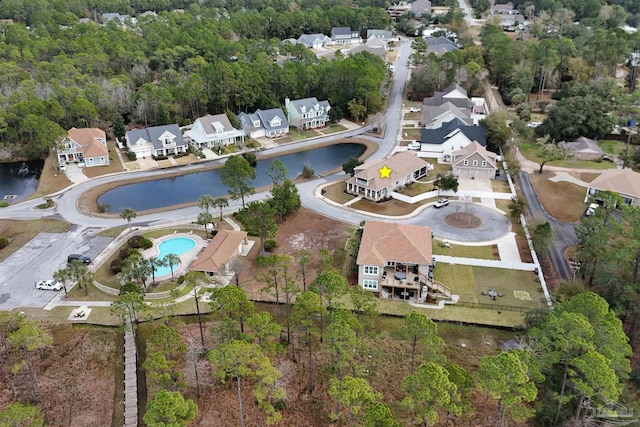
x: 525, y: 266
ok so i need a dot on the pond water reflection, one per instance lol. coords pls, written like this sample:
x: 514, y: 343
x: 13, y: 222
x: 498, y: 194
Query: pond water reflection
x: 188, y: 188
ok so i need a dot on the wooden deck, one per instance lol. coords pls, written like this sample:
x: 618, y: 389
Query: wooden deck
x: 130, y: 379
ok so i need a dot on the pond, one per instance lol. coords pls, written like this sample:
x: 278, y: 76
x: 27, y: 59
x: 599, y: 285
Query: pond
x: 188, y: 188
x: 19, y: 180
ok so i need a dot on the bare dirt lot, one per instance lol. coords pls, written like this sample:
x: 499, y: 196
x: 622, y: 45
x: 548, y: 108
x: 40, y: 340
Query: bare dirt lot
x: 78, y: 376
x: 302, y: 230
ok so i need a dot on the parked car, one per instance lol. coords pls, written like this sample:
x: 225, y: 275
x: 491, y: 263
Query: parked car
x: 607, y: 158
x: 49, y: 285
x: 534, y: 124
x: 63, y: 167
x: 415, y: 145
x: 591, y: 209
x: 414, y: 109
x: 77, y: 257
x: 441, y: 203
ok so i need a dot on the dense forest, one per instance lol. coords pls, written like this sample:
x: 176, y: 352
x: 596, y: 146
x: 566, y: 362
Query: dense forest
x: 57, y: 72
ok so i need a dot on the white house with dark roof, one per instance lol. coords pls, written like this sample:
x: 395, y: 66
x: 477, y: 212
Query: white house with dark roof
x: 452, y: 136
x: 307, y: 113
x: 374, y: 46
x: 455, y: 94
x: 115, y: 18
x: 474, y: 161
x: 367, y: 181
x: 88, y: 145
x: 271, y: 123
x: 314, y: 41
x: 156, y: 141
x: 214, y: 131
x: 345, y: 35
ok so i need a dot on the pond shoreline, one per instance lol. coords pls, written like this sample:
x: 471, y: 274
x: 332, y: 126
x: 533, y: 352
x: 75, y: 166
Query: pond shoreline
x: 88, y: 202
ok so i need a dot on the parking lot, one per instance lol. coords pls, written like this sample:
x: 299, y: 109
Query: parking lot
x: 38, y: 260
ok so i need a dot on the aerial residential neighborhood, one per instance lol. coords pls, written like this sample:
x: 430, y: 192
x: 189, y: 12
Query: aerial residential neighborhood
x: 303, y: 214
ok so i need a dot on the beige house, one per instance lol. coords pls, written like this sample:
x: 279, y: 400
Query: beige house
x: 474, y: 161
x: 624, y: 182
x: 395, y: 261
x: 84, y: 145
x: 585, y: 149
x: 223, y: 249
x: 406, y: 167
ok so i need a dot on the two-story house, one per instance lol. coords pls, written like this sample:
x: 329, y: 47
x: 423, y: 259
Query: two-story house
x: 451, y: 136
x: 474, y: 161
x: 156, y: 141
x: 395, y: 260
x: 270, y: 123
x: 314, y: 41
x: 87, y: 146
x: 455, y: 94
x: 368, y: 182
x: 345, y: 35
x: 307, y: 113
x: 214, y: 131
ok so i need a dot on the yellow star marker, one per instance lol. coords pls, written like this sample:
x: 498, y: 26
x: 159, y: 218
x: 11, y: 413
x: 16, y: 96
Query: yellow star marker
x: 385, y: 172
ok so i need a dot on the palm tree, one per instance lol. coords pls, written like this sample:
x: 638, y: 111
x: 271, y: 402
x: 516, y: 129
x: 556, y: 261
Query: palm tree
x: 171, y: 260
x: 205, y: 202
x: 128, y: 214
x: 63, y: 276
x: 81, y: 274
x: 221, y: 203
x: 205, y: 218
x: 155, y: 263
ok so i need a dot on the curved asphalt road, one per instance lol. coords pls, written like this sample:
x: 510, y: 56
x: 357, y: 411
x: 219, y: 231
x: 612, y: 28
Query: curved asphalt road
x: 564, y: 234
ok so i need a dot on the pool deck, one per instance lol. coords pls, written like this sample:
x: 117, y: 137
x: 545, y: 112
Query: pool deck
x: 185, y: 259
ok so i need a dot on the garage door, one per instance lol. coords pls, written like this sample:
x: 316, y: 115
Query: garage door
x: 143, y: 153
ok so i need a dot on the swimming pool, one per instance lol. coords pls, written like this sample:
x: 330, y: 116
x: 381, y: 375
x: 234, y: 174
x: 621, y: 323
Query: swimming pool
x: 176, y: 246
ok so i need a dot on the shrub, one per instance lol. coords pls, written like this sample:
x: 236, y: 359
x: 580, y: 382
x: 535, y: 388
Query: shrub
x: 116, y: 266
x: 159, y: 157
x: 3, y: 203
x: 145, y: 243
x: 123, y: 254
x: 131, y: 155
x: 307, y: 171
x: 134, y: 242
x: 4, y: 241
x: 270, y: 244
x: 250, y: 157
x: 103, y: 207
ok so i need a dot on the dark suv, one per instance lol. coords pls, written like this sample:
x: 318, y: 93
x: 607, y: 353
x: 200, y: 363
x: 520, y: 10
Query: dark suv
x: 77, y: 257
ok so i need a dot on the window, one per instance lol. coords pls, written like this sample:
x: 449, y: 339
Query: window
x: 371, y: 269
x: 475, y: 163
x: 390, y: 263
x: 370, y: 284
x: 484, y: 163
x: 466, y: 163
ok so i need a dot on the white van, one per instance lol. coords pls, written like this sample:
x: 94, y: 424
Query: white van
x: 415, y: 145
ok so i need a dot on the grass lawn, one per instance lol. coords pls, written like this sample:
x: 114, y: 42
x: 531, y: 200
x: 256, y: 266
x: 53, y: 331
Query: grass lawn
x: 19, y: 232
x: 439, y: 168
x: 164, y: 163
x: 410, y: 133
x: 588, y: 176
x: 503, y: 205
x: 612, y: 147
x: 469, y: 282
x: 530, y: 151
x: 500, y: 186
x: 481, y: 252
x: 416, y: 188
x: 95, y: 294
x: 392, y: 55
x: 115, y: 165
x: 454, y: 313
x: 112, y: 232
x: 51, y: 180
x: 562, y: 200
x: 336, y: 192
x: 333, y: 129
x: 412, y: 116
x: 189, y: 158
x: 392, y: 207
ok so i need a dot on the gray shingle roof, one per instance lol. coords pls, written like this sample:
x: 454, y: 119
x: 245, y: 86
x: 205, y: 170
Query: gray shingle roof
x: 340, y: 31
x: 267, y: 115
x: 310, y: 39
x: 153, y: 134
x: 306, y: 104
x: 440, y: 135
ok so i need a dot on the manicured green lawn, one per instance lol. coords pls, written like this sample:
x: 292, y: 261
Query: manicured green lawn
x: 410, y: 133
x: 333, y: 129
x: 481, y: 252
x: 531, y: 150
x: 438, y: 168
x: 416, y: 188
x: 611, y: 146
x: 469, y: 282
x: 336, y: 192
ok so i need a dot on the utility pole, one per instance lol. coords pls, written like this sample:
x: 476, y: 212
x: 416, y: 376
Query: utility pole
x: 634, y: 61
x: 631, y: 123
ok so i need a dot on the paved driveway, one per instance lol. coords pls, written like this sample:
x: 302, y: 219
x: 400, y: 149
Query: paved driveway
x: 38, y: 260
